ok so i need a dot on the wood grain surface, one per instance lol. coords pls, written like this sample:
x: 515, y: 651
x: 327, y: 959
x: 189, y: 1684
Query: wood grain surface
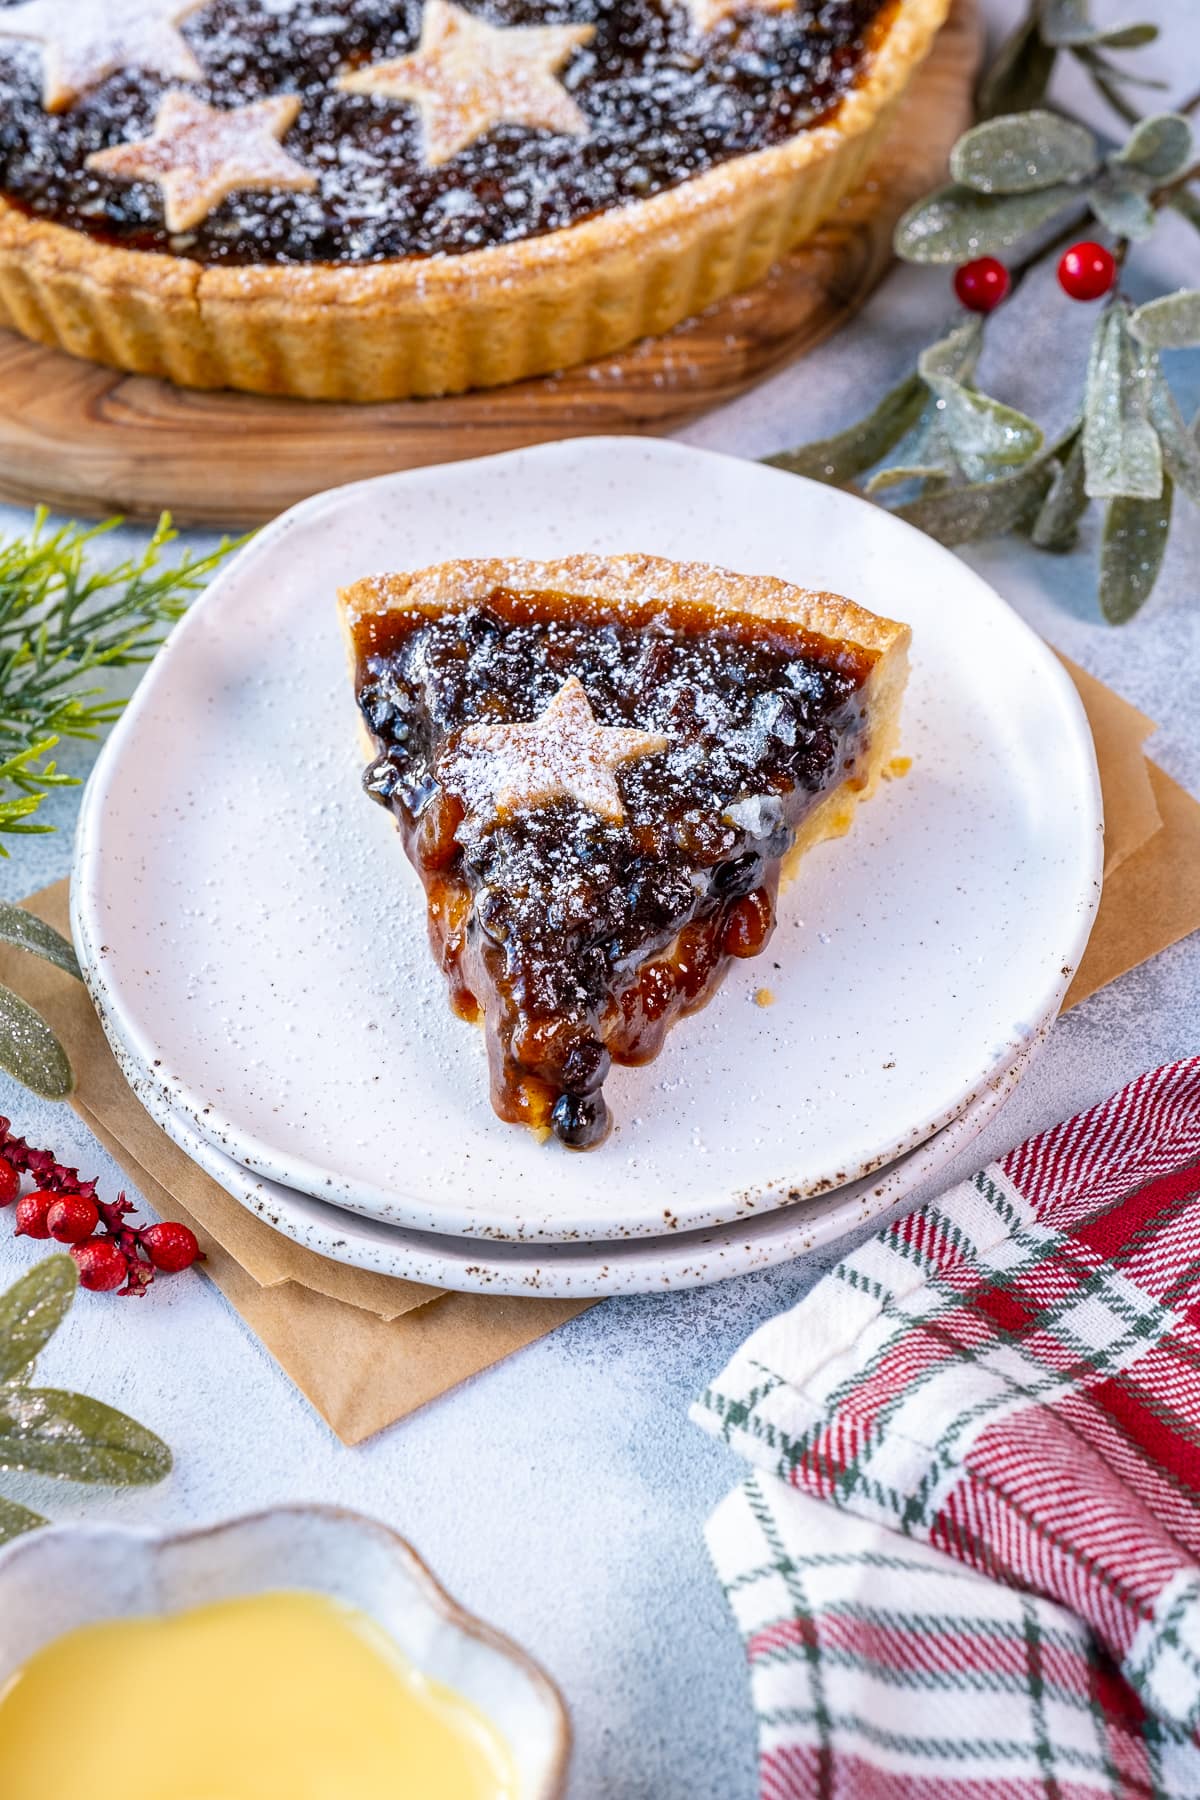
x: 91, y: 441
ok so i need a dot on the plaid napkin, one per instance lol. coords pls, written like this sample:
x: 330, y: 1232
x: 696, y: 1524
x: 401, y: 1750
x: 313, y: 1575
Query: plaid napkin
x: 966, y: 1564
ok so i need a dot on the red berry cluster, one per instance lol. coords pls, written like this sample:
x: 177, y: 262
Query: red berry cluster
x: 1086, y: 272
x: 109, y: 1252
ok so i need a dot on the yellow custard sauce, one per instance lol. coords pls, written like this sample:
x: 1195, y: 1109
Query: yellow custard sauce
x: 282, y: 1696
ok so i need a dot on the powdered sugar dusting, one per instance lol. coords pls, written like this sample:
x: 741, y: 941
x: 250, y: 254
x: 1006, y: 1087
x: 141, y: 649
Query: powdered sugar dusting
x: 662, y: 102
x: 84, y: 41
x: 199, y: 155
x: 748, y: 726
x: 466, y: 77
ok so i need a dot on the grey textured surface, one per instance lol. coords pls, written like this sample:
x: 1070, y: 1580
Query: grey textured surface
x: 563, y: 1494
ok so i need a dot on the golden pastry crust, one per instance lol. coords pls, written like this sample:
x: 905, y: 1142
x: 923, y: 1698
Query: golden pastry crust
x: 633, y: 585
x: 437, y: 325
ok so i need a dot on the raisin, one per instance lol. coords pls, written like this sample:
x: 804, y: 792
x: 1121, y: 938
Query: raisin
x: 580, y: 1121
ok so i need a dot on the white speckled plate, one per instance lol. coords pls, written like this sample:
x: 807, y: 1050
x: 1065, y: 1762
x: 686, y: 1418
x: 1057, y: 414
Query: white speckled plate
x: 590, y: 1268
x: 254, y: 938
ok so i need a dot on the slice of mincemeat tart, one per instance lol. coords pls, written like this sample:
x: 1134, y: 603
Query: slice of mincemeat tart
x: 600, y: 767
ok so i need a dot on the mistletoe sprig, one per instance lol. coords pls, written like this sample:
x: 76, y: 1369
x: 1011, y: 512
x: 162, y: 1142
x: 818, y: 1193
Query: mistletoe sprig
x: 1026, y: 61
x: 29, y: 1050
x: 48, y: 1431
x: 962, y: 465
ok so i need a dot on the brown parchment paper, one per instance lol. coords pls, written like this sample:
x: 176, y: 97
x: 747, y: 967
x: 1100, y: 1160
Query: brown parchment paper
x: 1152, y: 899
x: 368, y: 1349
x: 1131, y: 815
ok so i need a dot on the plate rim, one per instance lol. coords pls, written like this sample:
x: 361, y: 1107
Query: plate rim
x: 408, y: 1210
x: 645, y: 1275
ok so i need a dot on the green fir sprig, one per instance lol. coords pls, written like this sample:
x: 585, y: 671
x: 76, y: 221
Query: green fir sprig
x: 49, y: 1431
x: 961, y: 465
x: 65, y: 622
x: 64, y: 619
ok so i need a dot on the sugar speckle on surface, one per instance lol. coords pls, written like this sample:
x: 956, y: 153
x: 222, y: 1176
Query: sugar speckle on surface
x: 662, y: 104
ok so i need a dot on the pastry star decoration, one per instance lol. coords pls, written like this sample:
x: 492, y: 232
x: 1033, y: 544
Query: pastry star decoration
x: 466, y: 76
x: 562, y: 755
x: 85, y: 41
x: 199, y: 155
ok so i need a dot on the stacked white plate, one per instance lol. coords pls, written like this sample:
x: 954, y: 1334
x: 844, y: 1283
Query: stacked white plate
x: 255, y: 943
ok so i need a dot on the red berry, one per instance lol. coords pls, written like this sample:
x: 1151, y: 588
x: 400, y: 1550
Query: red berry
x: 31, y: 1215
x: 170, y: 1246
x: 72, y: 1218
x: 981, y: 285
x: 10, y: 1183
x: 101, y: 1265
x: 1086, y: 271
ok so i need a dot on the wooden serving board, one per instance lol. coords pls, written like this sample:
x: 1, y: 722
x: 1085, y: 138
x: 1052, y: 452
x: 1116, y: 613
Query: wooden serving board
x: 90, y: 440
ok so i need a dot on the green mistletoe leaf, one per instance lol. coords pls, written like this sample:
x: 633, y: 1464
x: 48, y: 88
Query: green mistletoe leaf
x: 899, y: 473
x: 29, y: 933
x: 1023, y: 152
x: 1180, y: 451
x: 923, y: 456
x: 1187, y: 204
x: 956, y: 224
x: 16, y: 1520
x: 1020, y: 75
x: 984, y: 434
x: 1121, y: 205
x: 953, y: 357
x: 839, y: 459
x: 1131, y: 553
x: 1128, y: 37
x: 1057, y: 524
x: 46, y: 1431
x: 1169, y: 323
x: 32, y: 1311
x: 983, y: 509
x: 1121, y: 452
x: 30, y: 1051
x: 1160, y: 147
x: 1065, y: 23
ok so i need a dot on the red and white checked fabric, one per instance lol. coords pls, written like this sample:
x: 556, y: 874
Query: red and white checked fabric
x: 1001, y: 1388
